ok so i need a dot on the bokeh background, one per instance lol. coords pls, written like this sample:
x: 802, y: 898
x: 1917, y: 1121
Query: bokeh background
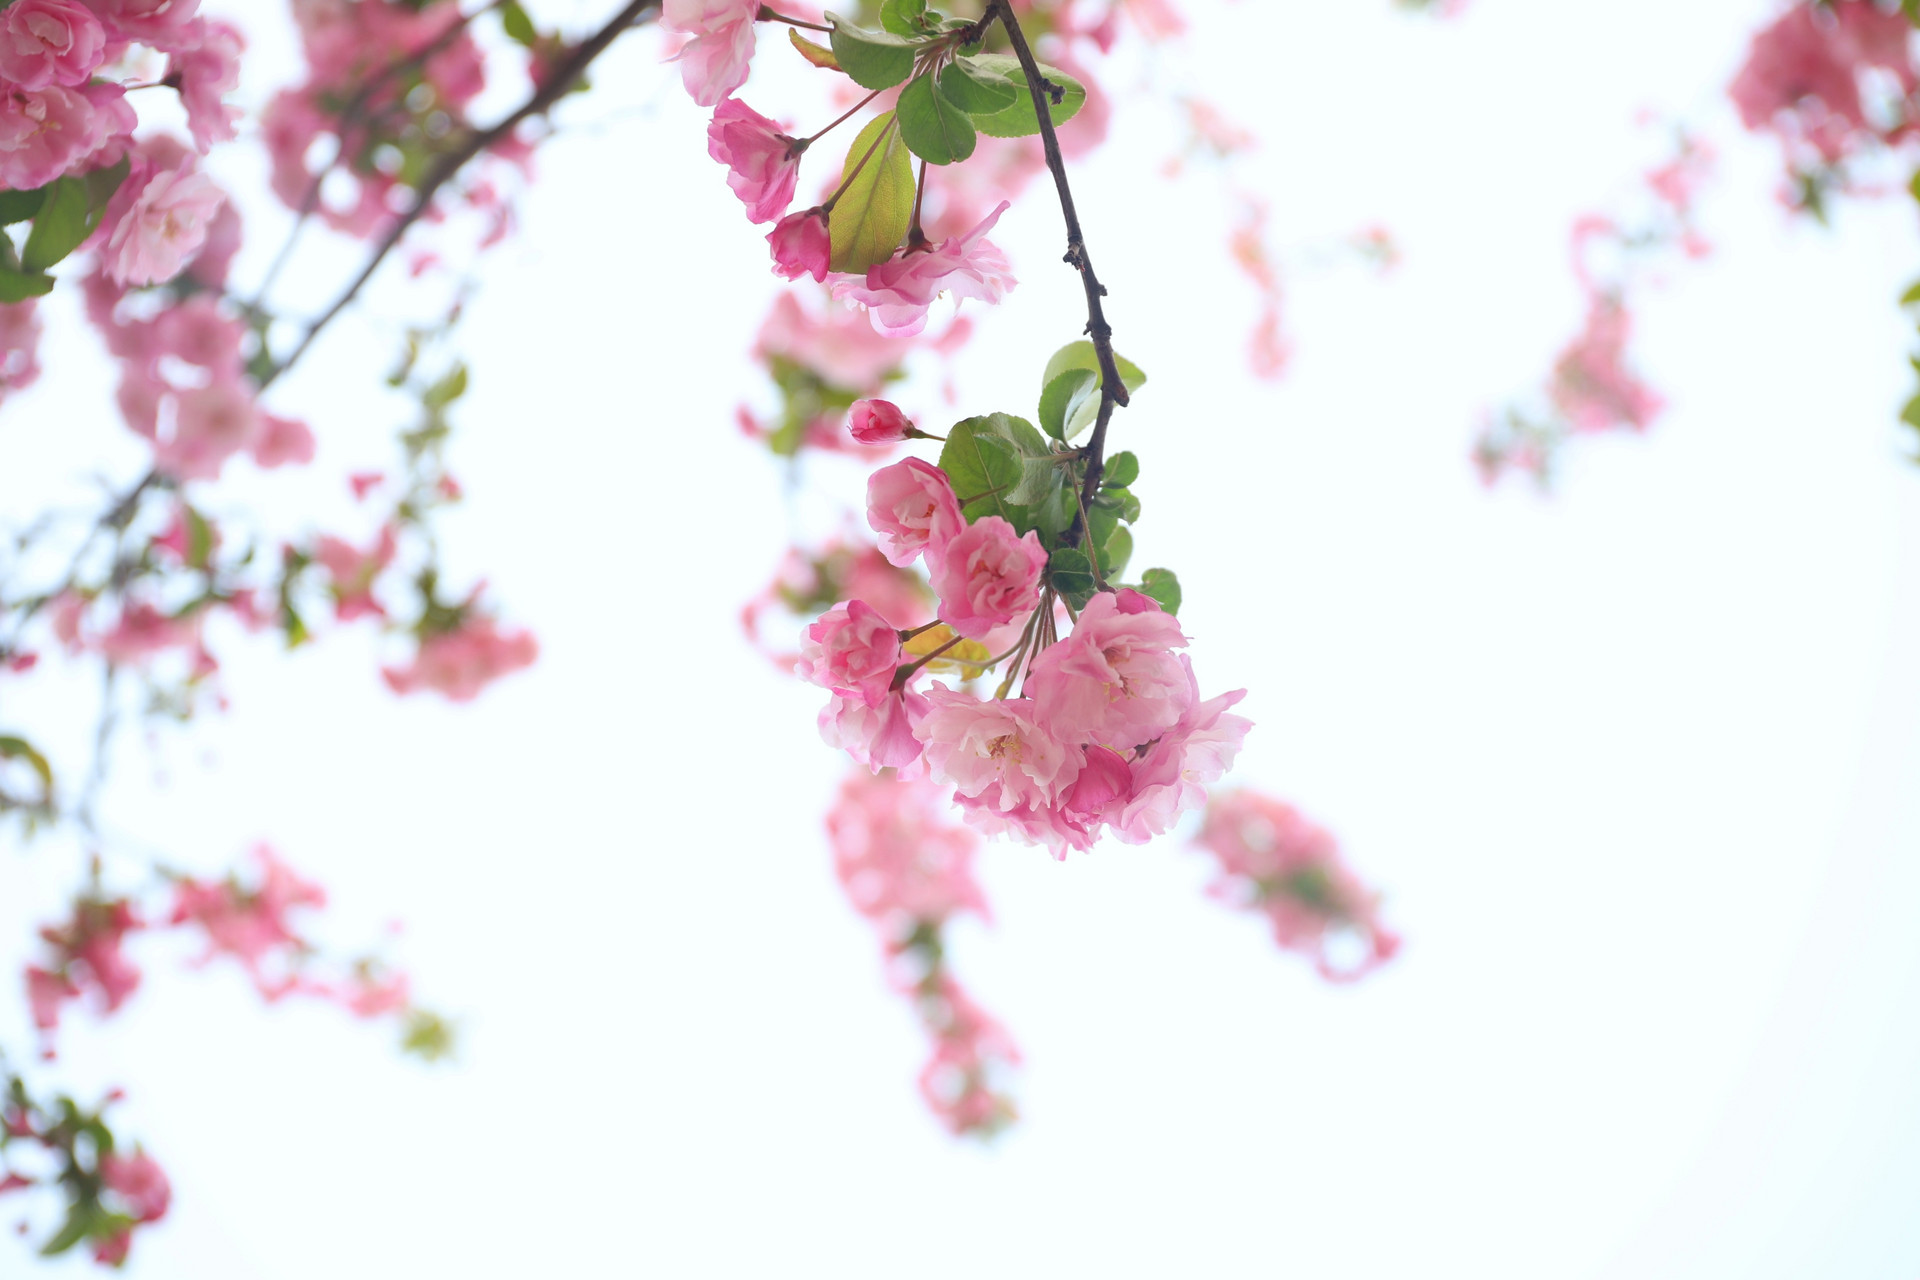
x: 1633, y: 762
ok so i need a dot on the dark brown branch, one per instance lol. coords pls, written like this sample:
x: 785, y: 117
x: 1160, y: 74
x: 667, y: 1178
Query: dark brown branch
x: 559, y: 83
x: 1112, y: 391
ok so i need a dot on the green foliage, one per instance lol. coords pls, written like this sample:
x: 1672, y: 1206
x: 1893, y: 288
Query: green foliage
x: 1163, y: 586
x: 19, y: 206
x: 1062, y: 396
x: 976, y: 90
x: 932, y: 127
x: 872, y: 59
x: 1122, y: 470
x: 1018, y: 118
x: 12, y: 748
x: 1081, y: 410
x: 904, y: 17
x: 1072, y: 575
x: 876, y: 204
x: 517, y: 25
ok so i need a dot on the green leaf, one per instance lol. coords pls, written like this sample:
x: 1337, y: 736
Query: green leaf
x: 450, y: 388
x: 518, y: 26
x: 975, y: 90
x: 1062, y: 396
x: 1115, y: 552
x: 1072, y: 575
x: 60, y: 226
x: 1912, y: 295
x: 1018, y: 120
x: 818, y: 54
x: 1119, y: 501
x: 1163, y: 586
x: 18, y: 287
x: 199, y: 539
x: 872, y: 214
x: 102, y: 183
x: 1122, y: 468
x: 1080, y: 355
x: 903, y: 17
x: 12, y: 748
x: 1911, y: 414
x: 18, y: 206
x: 872, y: 59
x: 932, y: 127
x: 983, y: 465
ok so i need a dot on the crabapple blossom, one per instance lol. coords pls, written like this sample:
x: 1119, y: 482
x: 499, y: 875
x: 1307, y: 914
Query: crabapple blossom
x: 911, y: 505
x: 45, y: 42
x: 763, y: 164
x: 207, y: 73
x: 1171, y: 774
x: 996, y: 754
x: 898, y: 855
x: 853, y: 651
x: 251, y: 924
x: 898, y: 292
x: 801, y: 245
x: 886, y: 736
x: 1275, y: 861
x: 878, y: 422
x: 987, y: 575
x: 714, y: 63
x: 458, y: 664
x: 165, y: 227
x: 353, y: 572
x: 1116, y: 679
x: 43, y: 133
x: 139, y: 1182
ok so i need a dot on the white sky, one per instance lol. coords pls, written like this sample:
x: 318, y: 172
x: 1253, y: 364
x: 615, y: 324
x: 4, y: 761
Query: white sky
x: 1632, y: 763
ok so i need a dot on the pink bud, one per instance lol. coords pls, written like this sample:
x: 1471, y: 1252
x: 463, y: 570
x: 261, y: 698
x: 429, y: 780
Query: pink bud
x: 878, y: 422
x: 801, y: 246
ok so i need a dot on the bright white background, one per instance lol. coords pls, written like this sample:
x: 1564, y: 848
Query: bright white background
x: 1632, y: 763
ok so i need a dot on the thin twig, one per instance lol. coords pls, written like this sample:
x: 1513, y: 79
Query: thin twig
x: 557, y: 85
x: 1112, y: 391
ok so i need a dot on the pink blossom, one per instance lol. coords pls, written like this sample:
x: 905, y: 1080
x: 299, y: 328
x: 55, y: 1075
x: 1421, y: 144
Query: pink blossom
x: 143, y: 632
x: 763, y: 164
x: 1591, y: 384
x: 362, y: 482
x: 970, y: 1047
x: 1809, y: 63
x: 886, y: 736
x: 45, y: 42
x: 714, y: 63
x: 200, y: 333
x: 282, y: 441
x: 898, y: 854
x: 110, y: 1250
x: 801, y: 245
x: 1099, y: 793
x: 353, y: 573
x: 1116, y: 679
x: 46, y: 992
x: 251, y: 924
x: 458, y: 664
x: 898, y: 292
x: 836, y: 343
x: 987, y: 575
x: 853, y: 651
x: 911, y: 505
x: 878, y: 422
x: 165, y: 227
x: 374, y: 996
x: 997, y: 755
x: 1171, y: 774
x: 1275, y: 861
x: 206, y: 74
x: 140, y: 1182
x: 210, y: 425
x: 164, y: 24
x: 43, y: 133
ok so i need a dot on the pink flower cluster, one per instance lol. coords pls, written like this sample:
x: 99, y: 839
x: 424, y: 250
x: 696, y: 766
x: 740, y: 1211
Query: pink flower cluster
x: 86, y: 956
x: 141, y: 1187
x: 1274, y: 861
x: 406, y: 71
x: 899, y: 857
x: 459, y: 663
x: 1802, y: 76
x: 907, y: 868
x: 133, y: 1188
x: 1591, y: 384
x: 354, y: 572
x: 251, y: 923
x: 1111, y: 734
x: 183, y: 384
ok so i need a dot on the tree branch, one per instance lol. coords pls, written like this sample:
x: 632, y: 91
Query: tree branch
x: 559, y: 83
x: 1112, y: 391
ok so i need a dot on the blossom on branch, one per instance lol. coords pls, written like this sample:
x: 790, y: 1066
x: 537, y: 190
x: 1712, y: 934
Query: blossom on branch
x: 714, y: 63
x: 898, y: 292
x: 763, y: 164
